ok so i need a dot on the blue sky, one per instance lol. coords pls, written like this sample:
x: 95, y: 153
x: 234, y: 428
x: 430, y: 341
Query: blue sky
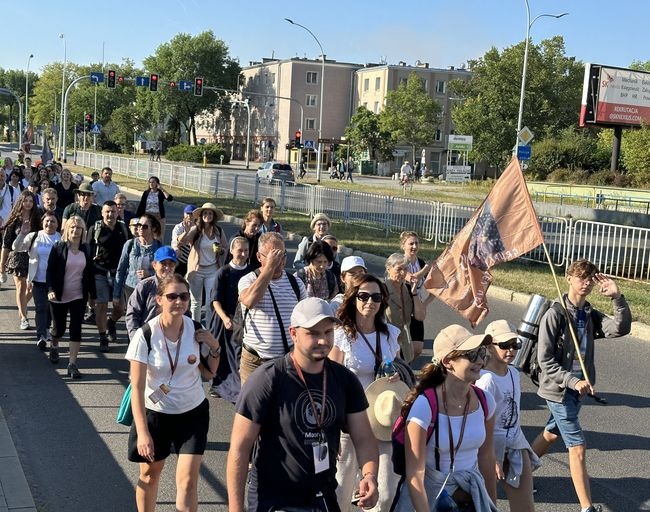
x: 443, y: 33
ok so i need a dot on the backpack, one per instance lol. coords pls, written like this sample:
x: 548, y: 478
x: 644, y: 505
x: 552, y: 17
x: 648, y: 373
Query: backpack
x: 239, y: 317
x: 398, y: 436
x: 530, y: 364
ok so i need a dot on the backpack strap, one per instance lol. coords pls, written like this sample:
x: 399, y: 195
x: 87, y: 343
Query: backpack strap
x: 293, y: 281
x: 432, y: 398
x: 331, y: 281
x: 482, y: 399
x: 146, y: 332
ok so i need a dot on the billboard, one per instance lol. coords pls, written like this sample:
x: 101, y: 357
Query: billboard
x: 615, y: 96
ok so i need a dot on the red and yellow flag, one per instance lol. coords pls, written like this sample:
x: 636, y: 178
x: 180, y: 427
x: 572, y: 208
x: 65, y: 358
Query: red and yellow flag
x: 503, y: 228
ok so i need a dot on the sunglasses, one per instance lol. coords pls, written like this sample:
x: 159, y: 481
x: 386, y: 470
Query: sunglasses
x: 473, y: 355
x: 375, y: 297
x: 184, y: 296
x: 509, y: 345
x: 142, y: 226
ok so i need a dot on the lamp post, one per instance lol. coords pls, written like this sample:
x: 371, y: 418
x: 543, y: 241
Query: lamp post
x: 65, y: 62
x: 31, y: 56
x: 322, y: 77
x: 9, y: 92
x: 522, y: 93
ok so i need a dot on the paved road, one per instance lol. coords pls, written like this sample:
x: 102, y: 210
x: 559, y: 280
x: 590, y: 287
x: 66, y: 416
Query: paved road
x: 74, y: 454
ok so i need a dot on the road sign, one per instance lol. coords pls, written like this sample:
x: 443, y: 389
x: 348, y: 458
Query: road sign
x: 142, y: 81
x: 332, y: 141
x: 460, y: 142
x: 185, y: 85
x: 96, y: 129
x: 96, y: 77
x: 524, y: 152
x: 309, y: 144
x: 525, y: 135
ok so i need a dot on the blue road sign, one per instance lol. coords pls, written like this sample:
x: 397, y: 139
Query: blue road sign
x: 96, y: 129
x: 142, y: 81
x: 309, y: 144
x: 96, y: 77
x: 524, y: 152
x: 185, y: 85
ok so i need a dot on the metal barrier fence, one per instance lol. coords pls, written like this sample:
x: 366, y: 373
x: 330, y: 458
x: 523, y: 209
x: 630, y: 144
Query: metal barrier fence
x: 621, y: 251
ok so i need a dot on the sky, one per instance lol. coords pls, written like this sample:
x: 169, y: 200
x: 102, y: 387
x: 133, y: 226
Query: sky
x: 442, y: 33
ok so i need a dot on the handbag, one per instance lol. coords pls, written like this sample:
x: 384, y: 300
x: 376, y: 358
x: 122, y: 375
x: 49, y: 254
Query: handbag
x: 124, y: 413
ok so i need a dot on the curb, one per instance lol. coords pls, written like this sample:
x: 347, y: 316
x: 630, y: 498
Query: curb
x: 15, y: 493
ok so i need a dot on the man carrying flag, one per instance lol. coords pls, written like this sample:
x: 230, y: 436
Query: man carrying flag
x: 503, y: 228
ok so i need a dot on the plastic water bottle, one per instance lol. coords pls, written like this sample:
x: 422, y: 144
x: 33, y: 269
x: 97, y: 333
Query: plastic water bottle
x: 387, y: 369
x: 445, y: 503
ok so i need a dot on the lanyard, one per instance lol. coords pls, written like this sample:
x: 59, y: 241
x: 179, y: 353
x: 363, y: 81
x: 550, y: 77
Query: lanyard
x: 318, y: 417
x: 173, y: 364
x: 377, y: 352
x: 452, y: 450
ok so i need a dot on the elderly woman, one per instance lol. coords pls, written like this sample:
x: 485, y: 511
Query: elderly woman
x: 320, y: 226
x: 362, y: 343
x: 318, y: 278
x: 152, y: 201
x: 403, y: 303
x: 250, y: 230
x: 457, y: 461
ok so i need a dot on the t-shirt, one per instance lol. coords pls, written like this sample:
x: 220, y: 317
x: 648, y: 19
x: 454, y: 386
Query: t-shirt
x: 359, y: 358
x: 43, y: 246
x: 73, y: 283
x: 506, y: 390
x: 226, y: 288
x: 467, y: 455
x: 152, y: 205
x: 275, y: 398
x: 186, y: 388
x: 262, y: 328
x: 206, y: 249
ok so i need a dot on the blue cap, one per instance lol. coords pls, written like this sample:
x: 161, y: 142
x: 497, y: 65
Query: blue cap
x: 189, y: 208
x: 165, y: 253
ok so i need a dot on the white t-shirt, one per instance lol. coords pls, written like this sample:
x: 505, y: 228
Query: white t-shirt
x: 262, y: 329
x: 467, y: 456
x: 186, y: 387
x: 506, y: 391
x: 359, y: 358
x: 43, y: 246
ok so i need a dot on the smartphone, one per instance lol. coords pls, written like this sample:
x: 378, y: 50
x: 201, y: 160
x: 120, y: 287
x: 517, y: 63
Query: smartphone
x: 355, y: 499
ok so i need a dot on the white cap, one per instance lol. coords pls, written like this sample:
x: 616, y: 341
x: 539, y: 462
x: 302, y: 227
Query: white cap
x: 308, y: 312
x: 351, y: 262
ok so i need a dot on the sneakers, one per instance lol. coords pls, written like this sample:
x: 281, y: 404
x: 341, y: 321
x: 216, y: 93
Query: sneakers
x: 24, y: 324
x: 54, y: 355
x: 112, y: 331
x: 41, y: 343
x: 595, y: 508
x: 3, y: 277
x: 213, y: 392
x: 89, y: 317
x: 73, y: 371
x: 103, y: 343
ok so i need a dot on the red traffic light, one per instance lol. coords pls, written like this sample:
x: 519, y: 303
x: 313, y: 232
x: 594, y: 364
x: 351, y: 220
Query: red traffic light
x: 198, y: 87
x: 298, y: 135
x: 88, y: 117
x: 153, y: 82
x: 111, y: 73
x: 111, y: 79
x: 120, y: 80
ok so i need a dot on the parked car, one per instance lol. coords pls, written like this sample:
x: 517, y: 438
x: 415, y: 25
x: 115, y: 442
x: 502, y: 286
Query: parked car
x: 274, y: 171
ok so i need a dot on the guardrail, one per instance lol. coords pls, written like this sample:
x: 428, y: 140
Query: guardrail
x: 621, y: 251
x: 598, y: 200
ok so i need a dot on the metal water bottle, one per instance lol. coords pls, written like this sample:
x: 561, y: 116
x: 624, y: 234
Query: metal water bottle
x: 528, y: 329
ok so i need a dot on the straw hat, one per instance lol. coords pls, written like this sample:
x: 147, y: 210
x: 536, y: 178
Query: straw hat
x: 218, y: 214
x: 385, y: 400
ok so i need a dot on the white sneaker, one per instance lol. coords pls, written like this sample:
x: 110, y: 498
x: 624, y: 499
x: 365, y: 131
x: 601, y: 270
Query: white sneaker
x: 24, y: 324
x: 3, y: 277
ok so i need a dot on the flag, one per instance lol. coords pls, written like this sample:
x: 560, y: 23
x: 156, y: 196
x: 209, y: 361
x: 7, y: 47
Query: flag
x: 503, y: 228
x: 46, y: 155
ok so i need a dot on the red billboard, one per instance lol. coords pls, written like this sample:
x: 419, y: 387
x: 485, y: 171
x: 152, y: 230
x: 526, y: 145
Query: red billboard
x: 615, y: 96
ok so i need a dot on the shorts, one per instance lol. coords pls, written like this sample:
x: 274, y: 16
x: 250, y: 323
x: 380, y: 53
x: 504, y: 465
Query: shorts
x: 104, y: 288
x: 18, y: 263
x: 185, y: 433
x: 564, y: 420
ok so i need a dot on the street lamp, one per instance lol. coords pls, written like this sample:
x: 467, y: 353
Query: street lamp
x: 529, y: 24
x: 65, y: 62
x: 322, y: 78
x: 9, y: 92
x: 31, y: 56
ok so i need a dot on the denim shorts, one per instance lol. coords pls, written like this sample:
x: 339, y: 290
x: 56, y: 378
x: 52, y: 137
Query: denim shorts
x: 564, y: 419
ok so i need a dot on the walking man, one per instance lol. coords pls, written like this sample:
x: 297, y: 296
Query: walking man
x: 105, y: 189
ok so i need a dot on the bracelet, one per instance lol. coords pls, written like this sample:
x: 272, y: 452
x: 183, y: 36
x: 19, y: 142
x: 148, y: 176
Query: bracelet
x: 215, y: 352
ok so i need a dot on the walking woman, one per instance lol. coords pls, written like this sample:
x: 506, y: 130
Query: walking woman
x: 70, y: 281
x: 250, y: 230
x: 38, y: 245
x: 16, y: 262
x: 362, y: 343
x: 207, y: 254
x: 459, y: 456
x: 319, y: 280
x: 516, y: 460
x: 403, y: 303
x: 320, y: 226
x: 170, y: 410
x: 153, y: 202
x: 65, y: 189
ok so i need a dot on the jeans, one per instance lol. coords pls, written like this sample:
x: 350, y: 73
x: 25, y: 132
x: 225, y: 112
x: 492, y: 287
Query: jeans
x: 42, y: 307
x: 202, y: 281
x: 564, y: 419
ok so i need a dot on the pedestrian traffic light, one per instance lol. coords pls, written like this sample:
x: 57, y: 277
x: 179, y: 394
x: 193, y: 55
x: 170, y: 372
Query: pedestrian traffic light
x: 298, y: 135
x: 287, y: 145
x: 111, y: 79
x: 198, y: 87
x: 153, y: 82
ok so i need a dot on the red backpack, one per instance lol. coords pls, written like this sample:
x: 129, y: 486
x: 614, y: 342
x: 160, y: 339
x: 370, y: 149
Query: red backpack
x: 399, y: 428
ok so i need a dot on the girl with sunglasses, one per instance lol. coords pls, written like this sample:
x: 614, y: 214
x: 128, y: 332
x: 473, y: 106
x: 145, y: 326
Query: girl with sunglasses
x: 170, y: 410
x: 362, y: 343
x: 457, y: 456
x: 515, y: 459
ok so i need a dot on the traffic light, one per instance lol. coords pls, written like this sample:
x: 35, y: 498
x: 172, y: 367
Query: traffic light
x: 298, y: 135
x: 88, y: 121
x: 198, y: 87
x: 120, y: 80
x: 287, y: 145
x: 111, y: 79
x: 153, y: 82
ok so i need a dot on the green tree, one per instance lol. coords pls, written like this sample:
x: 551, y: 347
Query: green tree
x: 411, y: 116
x: 491, y: 98
x: 13, y: 80
x: 186, y: 57
x: 365, y: 134
x: 636, y: 155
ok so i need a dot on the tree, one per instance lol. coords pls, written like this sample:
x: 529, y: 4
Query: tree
x: 365, y: 134
x: 411, y: 116
x: 490, y: 105
x: 187, y: 57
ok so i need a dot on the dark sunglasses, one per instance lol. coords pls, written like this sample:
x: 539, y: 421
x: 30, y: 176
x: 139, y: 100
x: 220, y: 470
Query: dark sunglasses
x: 364, y: 296
x: 142, y: 226
x: 473, y: 355
x: 509, y: 345
x: 184, y: 296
